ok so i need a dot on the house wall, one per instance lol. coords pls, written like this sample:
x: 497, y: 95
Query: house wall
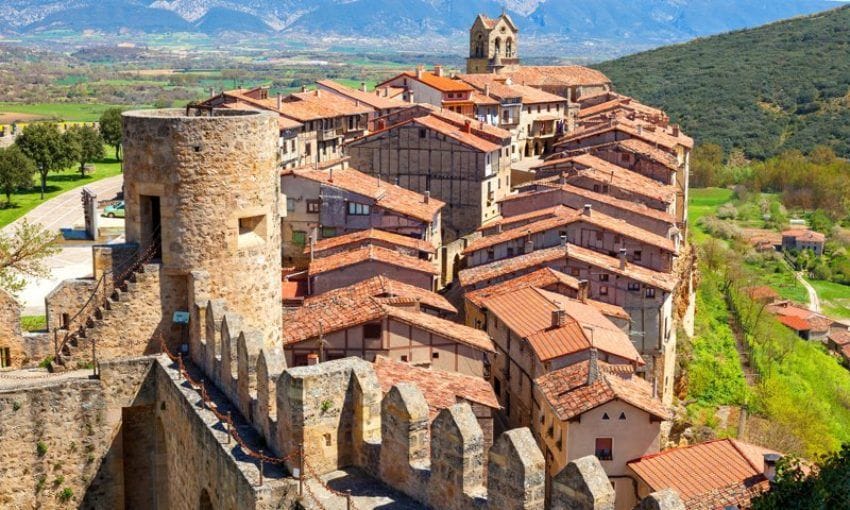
x: 463, y: 178
x: 349, y: 275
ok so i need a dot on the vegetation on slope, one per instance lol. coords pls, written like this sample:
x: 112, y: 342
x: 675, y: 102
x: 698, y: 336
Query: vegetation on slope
x: 781, y: 86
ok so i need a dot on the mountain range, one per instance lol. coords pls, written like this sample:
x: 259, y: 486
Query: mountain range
x: 633, y: 20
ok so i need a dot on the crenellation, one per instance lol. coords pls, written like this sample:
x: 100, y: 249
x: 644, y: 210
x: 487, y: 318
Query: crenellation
x: 516, y: 472
x: 457, y: 458
x: 405, y: 439
x: 582, y: 485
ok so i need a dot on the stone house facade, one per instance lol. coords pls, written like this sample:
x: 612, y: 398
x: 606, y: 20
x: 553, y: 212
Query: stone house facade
x: 803, y: 239
x: 434, y: 88
x: 325, y: 203
x: 458, y: 161
x: 350, y: 267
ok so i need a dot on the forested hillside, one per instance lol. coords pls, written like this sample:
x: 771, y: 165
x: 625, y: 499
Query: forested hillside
x: 765, y: 90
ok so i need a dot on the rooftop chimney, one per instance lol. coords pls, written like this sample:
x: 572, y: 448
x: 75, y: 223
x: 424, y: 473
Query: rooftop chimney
x: 467, y: 126
x: 588, y: 210
x: 640, y: 129
x: 420, y: 70
x: 592, y: 364
x: 559, y: 318
x: 363, y: 86
x: 427, y: 196
x: 312, y: 359
x: 499, y: 231
x: 487, y: 90
x: 675, y: 128
x: 770, y: 460
x: 622, y: 258
x: 529, y: 246
x: 410, y: 97
x: 318, y: 93
x: 582, y: 290
x: 212, y: 91
x: 331, y: 174
x: 438, y: 70
x: 303, y: 88
x: 563, y: 238
x: 279, y: 101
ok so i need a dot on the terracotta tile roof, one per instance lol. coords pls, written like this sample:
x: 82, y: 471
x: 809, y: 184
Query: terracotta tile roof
x: 481, y: 100
x: 804, y: 235
x: 567, y: 217
x: 487, y: 21
x: 370, y: 234
x: 503, y: 88
x: 292, y: 107
x: 389, y: 196
x: 761, y: 292
x: 647, y: 132
x: 457, y: 133
x: 540, y: 278
x: 282, y: 122
x: 569, y: 76
x: 383, y: 288
x: 370, y: 253
x: 845, y: 352
x: 600, y: 170
x: 372, y: 99
x: 528, y: 313
x: 529, y: 217
x: 568, y: 393
x: 625, y: 205
x: 482, y: 129
x: 793, y: 314
x: 710, y: 475
x: 638, y: 147
x: 840, y: 338
x: 448, y: 329
x: 327, y: 100
x: 441, y: 389
x: 441, y: 83
x: 539, y: 258
x: 619, y: 102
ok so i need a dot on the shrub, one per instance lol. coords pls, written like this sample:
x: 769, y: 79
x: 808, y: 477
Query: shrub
x: 66, y: 495
x: 41, y: 448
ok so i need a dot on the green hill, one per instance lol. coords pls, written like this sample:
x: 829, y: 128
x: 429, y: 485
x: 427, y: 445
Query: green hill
x: 765, y: 90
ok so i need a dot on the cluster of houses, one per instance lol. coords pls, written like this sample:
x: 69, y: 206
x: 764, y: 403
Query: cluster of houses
x: 809, y: 325
x: 512, y: 237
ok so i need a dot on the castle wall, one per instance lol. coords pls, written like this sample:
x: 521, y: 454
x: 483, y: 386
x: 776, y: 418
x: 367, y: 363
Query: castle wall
x: 13, y: 351
x: 217, y: 186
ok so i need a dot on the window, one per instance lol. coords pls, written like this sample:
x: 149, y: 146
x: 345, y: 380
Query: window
x: 604, y: 446
x: 650, y: 292
x: 404, y: 358
x: 313, y: 206
x: 435, y: 355
x: 637, y: 255
x: 510, y: 252
x: 497, y: 386
x: 574, y: 271
x: 423, y: 133
x: 252, y: 231
x: 634, y: 286
x: 596, y: 188
x: 603, y: 290
x: 299, y: 238
x: 5, y: 357
x: 290, y: 204
x: 491, y: 254
x: 603, y: 277
x: 599, y: 235
x: 622, y: 416
x: 605, y: 416
x: 308, y: 149
x: 328, y: 232
x: 372, y: 331
x: 356, y: 209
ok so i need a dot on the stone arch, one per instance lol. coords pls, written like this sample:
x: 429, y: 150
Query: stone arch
x: 204, y: 501
x: 509, y: 47
x: 497, y: 45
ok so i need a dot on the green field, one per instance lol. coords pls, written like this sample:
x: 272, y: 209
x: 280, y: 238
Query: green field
x: 834, y: 298
x: 702, y: 202
x: 57, y: 183
x: 72, y: 112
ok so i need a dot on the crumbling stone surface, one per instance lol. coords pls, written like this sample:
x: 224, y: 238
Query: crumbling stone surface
x: 667, y: 499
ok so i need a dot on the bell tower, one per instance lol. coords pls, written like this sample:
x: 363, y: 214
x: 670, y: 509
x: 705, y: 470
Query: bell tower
x: 493, y: 45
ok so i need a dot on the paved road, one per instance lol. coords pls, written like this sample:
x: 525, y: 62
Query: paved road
x: 74, y: 260
x: 814, y: 300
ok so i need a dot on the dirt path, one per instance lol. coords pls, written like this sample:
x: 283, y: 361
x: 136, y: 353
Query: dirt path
x: 814, y: 300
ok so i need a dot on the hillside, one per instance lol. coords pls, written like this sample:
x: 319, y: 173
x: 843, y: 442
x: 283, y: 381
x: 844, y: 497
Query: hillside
x: 629, y: 22
x: 765, y: 90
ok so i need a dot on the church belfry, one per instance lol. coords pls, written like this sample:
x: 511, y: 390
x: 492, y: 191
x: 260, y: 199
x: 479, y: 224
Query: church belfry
x: 493, y: 45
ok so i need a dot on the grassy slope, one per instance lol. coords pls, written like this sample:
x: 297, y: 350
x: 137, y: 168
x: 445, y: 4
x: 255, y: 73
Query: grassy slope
x: 57, y: 183
x: 784, y: 85
x: 834, y: 297
x: 703, y: 202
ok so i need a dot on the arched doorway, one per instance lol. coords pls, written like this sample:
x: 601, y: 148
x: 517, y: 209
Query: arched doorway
x: 204, y: 502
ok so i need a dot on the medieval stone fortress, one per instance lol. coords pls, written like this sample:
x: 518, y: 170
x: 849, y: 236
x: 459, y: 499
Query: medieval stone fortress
x: 455, y: 291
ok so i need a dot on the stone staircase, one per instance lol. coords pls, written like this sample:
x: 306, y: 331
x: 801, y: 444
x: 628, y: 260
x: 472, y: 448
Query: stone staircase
x: 76, y: 352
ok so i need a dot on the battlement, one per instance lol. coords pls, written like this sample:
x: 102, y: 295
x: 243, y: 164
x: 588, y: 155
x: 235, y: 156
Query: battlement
x: 331, y: 416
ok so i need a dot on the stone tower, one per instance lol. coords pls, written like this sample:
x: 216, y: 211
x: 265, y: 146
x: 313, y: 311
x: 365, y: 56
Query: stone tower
x: 493, y: 45
x: 205, y: 187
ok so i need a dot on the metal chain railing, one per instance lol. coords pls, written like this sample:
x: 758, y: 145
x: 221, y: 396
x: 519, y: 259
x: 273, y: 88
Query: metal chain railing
x: 117, y: 277
x: 232, y: 432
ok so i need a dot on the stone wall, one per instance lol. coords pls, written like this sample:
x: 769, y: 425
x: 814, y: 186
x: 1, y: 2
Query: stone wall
x: 63, y: 302
x: 208, y: 185
x: 56, y: 434
x: 10, y: 332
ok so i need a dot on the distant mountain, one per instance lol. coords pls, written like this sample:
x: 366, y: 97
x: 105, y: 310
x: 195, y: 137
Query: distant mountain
x: 651, y: 21
x: 781, y: 86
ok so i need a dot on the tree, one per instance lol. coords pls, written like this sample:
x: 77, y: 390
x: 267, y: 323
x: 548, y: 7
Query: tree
x: 111, y: 129
x: 22, y: 254
x: 45, y: 145
x: 16, y: 171
x: 801, y: 488
x: 88, y: 145
x: 706, y: 164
